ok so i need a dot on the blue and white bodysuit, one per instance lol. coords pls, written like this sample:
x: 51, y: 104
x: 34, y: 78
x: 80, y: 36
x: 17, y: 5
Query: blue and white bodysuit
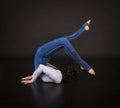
x: 44, y: 53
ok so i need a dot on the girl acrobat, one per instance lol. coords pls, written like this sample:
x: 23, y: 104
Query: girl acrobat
x: 50, y: 73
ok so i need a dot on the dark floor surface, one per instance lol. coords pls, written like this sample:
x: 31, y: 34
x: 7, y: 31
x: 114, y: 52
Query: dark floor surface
x: 100, y: 91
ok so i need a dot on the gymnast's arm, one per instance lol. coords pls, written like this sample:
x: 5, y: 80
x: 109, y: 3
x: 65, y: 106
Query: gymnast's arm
x: 71, y: 52
x: 33, y: 77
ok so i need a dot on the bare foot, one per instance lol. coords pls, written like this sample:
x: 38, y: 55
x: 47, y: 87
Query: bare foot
x: 89, y: 21
x: 87, y: 27
x: 91, y: 71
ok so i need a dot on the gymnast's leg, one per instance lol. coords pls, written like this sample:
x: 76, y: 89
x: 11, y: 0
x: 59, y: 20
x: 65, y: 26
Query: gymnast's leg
x: 69, y: 49
x: 54, y: 46
x: 71, y: 52
x: 75, y: 35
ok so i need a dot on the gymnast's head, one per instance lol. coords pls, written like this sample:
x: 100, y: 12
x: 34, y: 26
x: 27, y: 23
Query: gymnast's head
x: 70, y: 72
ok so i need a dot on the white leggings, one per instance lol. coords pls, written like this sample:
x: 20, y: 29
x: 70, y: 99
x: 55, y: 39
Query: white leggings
x: 50, y: 74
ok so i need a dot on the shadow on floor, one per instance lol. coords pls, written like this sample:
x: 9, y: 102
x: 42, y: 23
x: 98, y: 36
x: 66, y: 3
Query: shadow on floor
x: 87, y: 92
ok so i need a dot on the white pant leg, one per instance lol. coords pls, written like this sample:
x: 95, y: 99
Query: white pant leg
x: 51, y: 74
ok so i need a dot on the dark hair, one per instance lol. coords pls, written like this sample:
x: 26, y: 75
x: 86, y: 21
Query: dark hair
x: 70, y: 71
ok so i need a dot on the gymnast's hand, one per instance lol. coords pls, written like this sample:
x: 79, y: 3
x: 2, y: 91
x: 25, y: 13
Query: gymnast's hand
x: 27, y: 80
x: 87, y: 27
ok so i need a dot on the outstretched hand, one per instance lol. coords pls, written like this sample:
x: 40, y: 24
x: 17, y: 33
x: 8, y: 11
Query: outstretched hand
x: 27, y: 80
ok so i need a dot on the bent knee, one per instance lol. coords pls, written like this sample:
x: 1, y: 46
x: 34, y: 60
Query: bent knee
x: 63, y: 40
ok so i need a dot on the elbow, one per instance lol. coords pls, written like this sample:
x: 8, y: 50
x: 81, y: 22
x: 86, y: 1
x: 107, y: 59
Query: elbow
x: 58, y: 79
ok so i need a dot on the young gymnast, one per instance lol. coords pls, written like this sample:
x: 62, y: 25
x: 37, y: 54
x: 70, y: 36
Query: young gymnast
x: 50, y: 73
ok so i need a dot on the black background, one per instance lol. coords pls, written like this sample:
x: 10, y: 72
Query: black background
x: 26, y: 25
